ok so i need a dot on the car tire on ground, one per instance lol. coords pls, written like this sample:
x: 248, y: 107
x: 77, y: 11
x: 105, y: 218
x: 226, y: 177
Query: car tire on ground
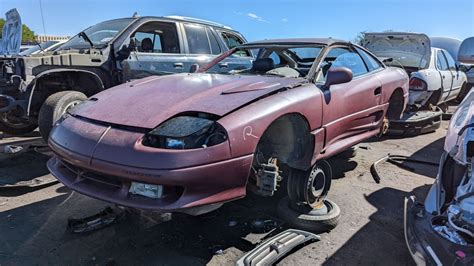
x: 303, y: 219
x: 17, y: 128
x: 54, y: 107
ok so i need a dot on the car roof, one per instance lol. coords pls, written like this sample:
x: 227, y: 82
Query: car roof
x: 182, y: 19
x: 324, y: 41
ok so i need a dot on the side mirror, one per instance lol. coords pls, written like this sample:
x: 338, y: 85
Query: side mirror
x: 464, y: 68
x: 194, y: 68
x: 466, y: 51
x: 337, y: 75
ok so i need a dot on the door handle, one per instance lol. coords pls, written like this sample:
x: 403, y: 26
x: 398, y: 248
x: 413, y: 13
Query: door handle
x: 178, y: 65
x: 224, y: 65
x: 378, y: 91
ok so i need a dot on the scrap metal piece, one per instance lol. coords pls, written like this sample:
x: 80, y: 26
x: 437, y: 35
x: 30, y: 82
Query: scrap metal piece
x: 94, y: 222
x: 276, y: 247
x: 397, y: 160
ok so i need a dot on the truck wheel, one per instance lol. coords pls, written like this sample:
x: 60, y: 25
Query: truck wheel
x: 15, y: 128
x: 307, y: 218
x: 54, y: 107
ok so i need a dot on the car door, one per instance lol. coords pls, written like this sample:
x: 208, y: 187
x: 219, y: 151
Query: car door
x: 456, y: 77
x: 349, y: 108
x: 445, y: 74
x: 157, y: 50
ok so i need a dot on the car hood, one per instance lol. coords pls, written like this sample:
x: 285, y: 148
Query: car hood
x: 148, y: 102
x: 409, y: 49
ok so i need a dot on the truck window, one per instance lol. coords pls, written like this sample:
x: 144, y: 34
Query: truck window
x: 232, y: 41
x: 157, y: 37
x: 215, y: 47
x: 198, y: 40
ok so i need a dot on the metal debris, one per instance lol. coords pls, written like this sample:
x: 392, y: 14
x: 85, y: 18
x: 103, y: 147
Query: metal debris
x: 94, y: 222
x: 11, y: 149
x: 399, y: 161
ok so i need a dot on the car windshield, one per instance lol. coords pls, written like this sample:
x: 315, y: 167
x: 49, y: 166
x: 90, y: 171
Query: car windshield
x: 293, y: 61
x: 100, y: 34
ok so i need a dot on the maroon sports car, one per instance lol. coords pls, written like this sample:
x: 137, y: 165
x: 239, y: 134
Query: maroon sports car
x: 191, y: 142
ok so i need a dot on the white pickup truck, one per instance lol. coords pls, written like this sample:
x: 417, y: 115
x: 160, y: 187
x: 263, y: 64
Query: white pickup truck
x: 435, y: 77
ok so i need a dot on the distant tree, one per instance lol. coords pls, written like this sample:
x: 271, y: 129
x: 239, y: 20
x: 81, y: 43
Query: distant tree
x: 360, y: 37
x: 27, y: 34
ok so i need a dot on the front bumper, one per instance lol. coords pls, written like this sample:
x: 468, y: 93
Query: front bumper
x: 194, y: 190
x: 425, y: 245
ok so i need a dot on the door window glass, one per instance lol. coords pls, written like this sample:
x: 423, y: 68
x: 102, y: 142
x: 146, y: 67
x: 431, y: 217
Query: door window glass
x: 351, y: 60
x: 371, y: 62
x: 441, y: 63
x: 156, y: 37
x: 232, y: 41
x: 215, y: 48
x: 198, y: 42
x: 451, y: 62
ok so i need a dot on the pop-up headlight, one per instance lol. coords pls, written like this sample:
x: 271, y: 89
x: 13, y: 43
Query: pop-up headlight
x: 186, y: 132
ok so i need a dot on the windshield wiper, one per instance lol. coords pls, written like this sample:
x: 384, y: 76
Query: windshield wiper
x: 84, y: 36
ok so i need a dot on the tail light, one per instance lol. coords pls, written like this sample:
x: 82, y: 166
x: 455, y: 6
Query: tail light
x: 417, y: 84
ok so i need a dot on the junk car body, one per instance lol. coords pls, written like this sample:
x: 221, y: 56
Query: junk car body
x: 190, y: 142
x: 435, y: 77
x: 104, y: 55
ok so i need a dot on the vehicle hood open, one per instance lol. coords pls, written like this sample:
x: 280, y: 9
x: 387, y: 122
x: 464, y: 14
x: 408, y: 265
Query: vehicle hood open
x: 408, y: 49
x: 148, y: 102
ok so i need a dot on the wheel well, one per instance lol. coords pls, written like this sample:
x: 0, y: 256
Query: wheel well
x: 87, y: 83
x: 396, y: 105
x: 289, y: 140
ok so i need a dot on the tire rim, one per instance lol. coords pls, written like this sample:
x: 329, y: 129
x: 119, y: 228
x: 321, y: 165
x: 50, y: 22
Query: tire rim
x: 317, y: 185
x: 71, y: 105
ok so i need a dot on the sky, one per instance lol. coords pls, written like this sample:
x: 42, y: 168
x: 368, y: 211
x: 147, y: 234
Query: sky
x: 262, y: 19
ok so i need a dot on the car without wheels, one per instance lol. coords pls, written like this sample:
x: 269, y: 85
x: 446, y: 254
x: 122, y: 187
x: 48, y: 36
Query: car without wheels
x: 36, y: 90
x: 435, y: 78
x: 191, y: 142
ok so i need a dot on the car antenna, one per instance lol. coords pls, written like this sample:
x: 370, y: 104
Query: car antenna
x: 39, y: 45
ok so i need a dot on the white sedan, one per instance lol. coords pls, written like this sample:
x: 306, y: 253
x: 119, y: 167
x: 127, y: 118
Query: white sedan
x: 435, y: 77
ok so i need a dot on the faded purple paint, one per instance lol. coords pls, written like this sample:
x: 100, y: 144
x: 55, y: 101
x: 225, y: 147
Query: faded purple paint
x: 156, y: 99
x: 338, y: 117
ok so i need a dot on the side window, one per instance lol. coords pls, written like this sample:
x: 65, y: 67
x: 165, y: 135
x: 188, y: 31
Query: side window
x: 451, y: 62
x: 215, y: 48
x: 232, y: 41
x: 371, y: 62
x: 351, y: 60
x: 198, y: 42
x: 156, y: 37
x: 441, y: 63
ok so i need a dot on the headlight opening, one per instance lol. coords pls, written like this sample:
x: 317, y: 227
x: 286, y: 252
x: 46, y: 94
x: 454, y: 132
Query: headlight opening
x: 186, y: 132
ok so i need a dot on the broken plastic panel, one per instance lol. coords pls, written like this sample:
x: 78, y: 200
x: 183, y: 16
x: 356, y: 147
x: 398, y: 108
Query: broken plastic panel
x: 276, y: 247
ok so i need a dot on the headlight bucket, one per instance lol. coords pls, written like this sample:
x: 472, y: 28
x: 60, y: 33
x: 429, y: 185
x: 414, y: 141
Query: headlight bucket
x: 186, y: 132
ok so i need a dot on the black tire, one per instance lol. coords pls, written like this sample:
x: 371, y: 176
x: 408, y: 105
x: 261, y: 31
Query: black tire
x: 54, y: 107
x: 305, y: 221
x: 16, y: 129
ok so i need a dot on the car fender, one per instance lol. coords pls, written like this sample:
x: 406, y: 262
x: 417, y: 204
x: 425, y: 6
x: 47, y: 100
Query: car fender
x: 246, y: 125
x: 32, y: 86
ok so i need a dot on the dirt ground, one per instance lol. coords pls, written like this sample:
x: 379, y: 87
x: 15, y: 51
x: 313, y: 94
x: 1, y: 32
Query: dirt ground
x: 33, y: 221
